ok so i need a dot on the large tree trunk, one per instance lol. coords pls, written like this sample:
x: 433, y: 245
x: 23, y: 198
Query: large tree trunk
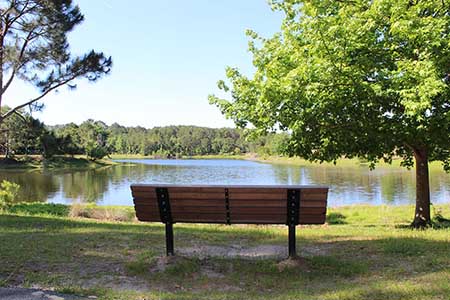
x: 422, y: 216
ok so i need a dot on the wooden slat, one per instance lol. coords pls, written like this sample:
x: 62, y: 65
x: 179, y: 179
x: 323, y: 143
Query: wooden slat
x: 313, y: 210
x: 194, y: 209
x: 143, y: 189
x: 147, y: 216
x: 143, y: 207
x: 275, y: 211
x: 280, y: 191
x: 197, y: 196
x: 258, y: 219
x: 196, y: 190
x: 313, y: 197
x: 198, y: 202
x: 258, y: 196
x: 307, y: 191
x: 257, y: 222
x: 312, y: 219
x: 144, y: 201
x: 245, y: 203
x: 183, y: 209
x: 315, y: 203
x: 188, y: 217
x: 202, y: 221
x: 258, y: 210
x: 144, y: 194
x: 268, y: 216
x: 273, y: 203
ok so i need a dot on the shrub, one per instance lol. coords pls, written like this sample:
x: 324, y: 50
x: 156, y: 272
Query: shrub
x: 8, y: 193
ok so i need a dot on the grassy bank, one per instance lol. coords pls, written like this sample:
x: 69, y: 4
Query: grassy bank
x: 365, y: 252
x: 344, y: 162
x: 57, y: 162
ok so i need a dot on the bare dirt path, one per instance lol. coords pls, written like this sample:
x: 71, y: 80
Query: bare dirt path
x: 35, y: 294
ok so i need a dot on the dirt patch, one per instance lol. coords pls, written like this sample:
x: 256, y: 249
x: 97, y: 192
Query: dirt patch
x: 210, y: 273
x: 234, y: 251
x: 311, y: 250
x: 257, y: 252
x: 291, y: 263
x: 121, y: 283
x: 162, y: 262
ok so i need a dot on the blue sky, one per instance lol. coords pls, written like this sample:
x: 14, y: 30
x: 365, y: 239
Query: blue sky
x: 168, y: 56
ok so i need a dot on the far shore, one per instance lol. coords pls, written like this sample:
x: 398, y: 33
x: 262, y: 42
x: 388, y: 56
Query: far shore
x: 281, y: 160
x: 36, y: 162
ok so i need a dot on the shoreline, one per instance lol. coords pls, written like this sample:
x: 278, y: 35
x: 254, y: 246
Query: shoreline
x: 30, y: 163
x: 81, y: 162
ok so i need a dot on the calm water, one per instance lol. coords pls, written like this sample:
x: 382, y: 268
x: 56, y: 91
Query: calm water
x: 110, y: 185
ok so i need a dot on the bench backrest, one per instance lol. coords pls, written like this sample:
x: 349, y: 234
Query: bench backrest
x: 230, y: 204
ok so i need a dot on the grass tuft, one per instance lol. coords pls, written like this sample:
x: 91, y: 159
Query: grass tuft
x: 109, y: 213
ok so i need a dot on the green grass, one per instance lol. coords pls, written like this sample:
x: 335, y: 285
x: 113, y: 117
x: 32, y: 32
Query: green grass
x: 368, y: 254
x: 41, y: 209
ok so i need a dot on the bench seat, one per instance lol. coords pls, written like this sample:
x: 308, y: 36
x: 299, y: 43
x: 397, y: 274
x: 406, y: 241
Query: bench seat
x: 230, y: 204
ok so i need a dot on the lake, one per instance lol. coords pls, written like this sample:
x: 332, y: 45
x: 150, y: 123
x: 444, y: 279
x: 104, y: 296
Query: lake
x: 111, y: 185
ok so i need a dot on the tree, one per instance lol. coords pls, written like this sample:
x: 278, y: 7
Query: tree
x: 21, y: 134
x: 34, y: 48
x: 354, y: 78
x: 93, y: 138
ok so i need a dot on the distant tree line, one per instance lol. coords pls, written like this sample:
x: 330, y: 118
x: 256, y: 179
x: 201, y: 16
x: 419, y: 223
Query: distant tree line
x: 24, y: 135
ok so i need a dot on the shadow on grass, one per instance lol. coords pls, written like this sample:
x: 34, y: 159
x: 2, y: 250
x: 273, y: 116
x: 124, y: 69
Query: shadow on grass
x: 336, y: 218
x: 439, y: 222
x: 61, y: 253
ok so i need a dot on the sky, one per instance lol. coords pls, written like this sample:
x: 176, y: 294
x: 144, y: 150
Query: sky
x: 168, y: 56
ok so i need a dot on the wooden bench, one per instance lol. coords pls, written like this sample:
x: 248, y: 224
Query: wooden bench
x: 269, y: 204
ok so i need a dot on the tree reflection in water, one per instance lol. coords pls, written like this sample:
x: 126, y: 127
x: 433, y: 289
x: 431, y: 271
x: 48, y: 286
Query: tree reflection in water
x: 110, y: 185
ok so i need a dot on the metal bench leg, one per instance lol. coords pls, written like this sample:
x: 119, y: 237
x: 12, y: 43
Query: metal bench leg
x: 169, y: 239
x: 292, y: 251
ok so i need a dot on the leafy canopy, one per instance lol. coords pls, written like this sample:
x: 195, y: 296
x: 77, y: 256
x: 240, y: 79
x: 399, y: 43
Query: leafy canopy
x: 350, y: 78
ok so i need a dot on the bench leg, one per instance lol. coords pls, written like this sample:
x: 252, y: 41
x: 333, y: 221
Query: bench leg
x: 292, y: 251
x: 169, y: 239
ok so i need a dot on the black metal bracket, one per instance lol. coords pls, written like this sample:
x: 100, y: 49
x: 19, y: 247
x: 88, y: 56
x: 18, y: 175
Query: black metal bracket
x: 293, y: 207
x: 293, y: 212
x: 162, y: 195
x: 227, y: 206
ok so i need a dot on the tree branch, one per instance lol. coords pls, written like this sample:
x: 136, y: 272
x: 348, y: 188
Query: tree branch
x: 17, y: 67
x: 20, y: 14
x: 13, y: 110
x: 20, y: 116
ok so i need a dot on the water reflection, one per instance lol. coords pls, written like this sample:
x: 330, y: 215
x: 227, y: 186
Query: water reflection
x: 110, y: 185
